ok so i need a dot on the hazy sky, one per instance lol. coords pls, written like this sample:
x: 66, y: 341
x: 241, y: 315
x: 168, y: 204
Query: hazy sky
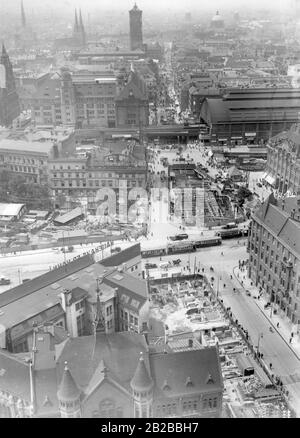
x: 147, y: 4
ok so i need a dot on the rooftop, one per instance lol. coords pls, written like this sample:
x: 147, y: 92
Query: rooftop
x: 186, y: 372
x: 38, y: 148
x: 10, y: 209
x: 276, y: 216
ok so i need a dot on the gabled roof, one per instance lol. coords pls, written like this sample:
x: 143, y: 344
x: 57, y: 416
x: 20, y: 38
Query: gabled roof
x: 44, y: 280
x: 186, y: 372
x: 14, y: 375
x: 279, y: 220
x: 135, y: 87
x: 123, y: 256
x: 119, y: 352
x: 131, y: 91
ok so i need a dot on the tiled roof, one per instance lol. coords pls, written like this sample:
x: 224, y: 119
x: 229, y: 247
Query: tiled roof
x: 71, y: 215
x: 44, y: 280
x: 14, y: 376
x: 78, y: 294
x: 141, y: 379
x: 186, y: 372
x: 120, y: 353
x: 123, y: 256
x: 280, y: 222
x: 68, y: 390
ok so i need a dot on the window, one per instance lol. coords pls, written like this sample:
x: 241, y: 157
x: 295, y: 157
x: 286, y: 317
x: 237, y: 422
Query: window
x: 79, y: 305
x: 108, y: 409
x: 80, y: 324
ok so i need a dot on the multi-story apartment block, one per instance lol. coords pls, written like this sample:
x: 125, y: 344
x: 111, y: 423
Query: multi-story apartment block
x: 28, y: 159
x: 72, y: 179
x: 274, y: 254
x: 95, y: 99
x: 283, y: 163
x: 28, y: 156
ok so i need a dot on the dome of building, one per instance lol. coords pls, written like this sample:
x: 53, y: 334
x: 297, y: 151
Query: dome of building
x: 217, y: 19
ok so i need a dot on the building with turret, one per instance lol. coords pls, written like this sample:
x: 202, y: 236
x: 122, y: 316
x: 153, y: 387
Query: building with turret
x: 132, y: 104
x: 9, y: 100
x: 136, y: 28
x: 108, y: 376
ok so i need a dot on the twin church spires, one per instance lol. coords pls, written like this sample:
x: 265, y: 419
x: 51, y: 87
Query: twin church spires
x: 78, y: 30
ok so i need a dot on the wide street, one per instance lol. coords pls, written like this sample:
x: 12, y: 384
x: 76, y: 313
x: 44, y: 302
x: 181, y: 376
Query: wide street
x: 30, y: 264
x: 275, y: 350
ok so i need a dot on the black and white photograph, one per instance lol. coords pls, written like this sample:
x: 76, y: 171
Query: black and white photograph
x: 149, y: 212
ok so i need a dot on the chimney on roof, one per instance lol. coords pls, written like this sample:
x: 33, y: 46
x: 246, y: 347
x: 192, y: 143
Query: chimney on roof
x: 65, y: 297
x: 49, y: 328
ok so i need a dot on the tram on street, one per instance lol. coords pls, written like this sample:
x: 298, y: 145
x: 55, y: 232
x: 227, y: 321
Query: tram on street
x: 178, y: 247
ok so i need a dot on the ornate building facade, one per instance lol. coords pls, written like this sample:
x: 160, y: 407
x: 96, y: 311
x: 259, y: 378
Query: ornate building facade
x: 274, y: 255
x: 283, y: 163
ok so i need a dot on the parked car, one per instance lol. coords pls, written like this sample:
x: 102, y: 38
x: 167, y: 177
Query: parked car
x: 117, y: 249
x: 4, y: 281
x: 150, y: 266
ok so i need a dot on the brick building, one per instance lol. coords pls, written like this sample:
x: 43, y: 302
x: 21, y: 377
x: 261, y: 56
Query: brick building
x: 274, y: 254
x: 132, y: 103
x: 283, y: 163
x: 109, y: 376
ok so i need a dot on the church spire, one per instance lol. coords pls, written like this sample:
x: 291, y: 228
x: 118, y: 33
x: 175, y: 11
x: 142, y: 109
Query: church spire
x: 4, y: 55
x: 80, y: 21
x: 76, y: 22
x: 23, y: 17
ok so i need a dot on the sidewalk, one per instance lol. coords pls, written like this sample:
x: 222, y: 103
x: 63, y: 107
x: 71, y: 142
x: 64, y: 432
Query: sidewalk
x: 285, y: 327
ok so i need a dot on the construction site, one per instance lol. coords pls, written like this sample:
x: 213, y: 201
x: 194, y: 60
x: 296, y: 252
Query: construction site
x: 186, y: 308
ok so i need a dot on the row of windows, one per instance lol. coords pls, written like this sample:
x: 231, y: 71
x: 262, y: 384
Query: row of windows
x: 132, y: 319
x: 83, y: 175
x: 23, y: 169
x: 23, y: 160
